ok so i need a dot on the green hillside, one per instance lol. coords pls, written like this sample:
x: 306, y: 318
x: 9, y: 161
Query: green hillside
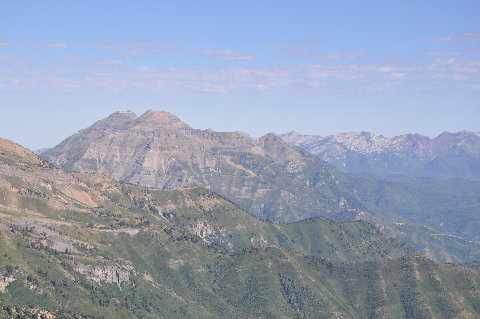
x: 154, y: 275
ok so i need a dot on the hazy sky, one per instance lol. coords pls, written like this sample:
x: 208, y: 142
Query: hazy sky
x: 317, y: 67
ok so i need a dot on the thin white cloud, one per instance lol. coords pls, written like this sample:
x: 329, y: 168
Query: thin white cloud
x: 330, y: 56
x: 303, y: 43
x: 110, y: 62
x: 475, y: 86
x: 443, y: 53
x: 59, y: 45
x: 440, y: 40
x: 349, y: 73
x: 395, y: 76
x: 5, y: 56
x: 460, y: 77
x: 141, y: 47
x: 5, y: 43
x: 472, y: 37
x: 467, y: 37
x: 340, y: 55
x: 228, y: 55
x: 116, y: 78
x: 74, y: 58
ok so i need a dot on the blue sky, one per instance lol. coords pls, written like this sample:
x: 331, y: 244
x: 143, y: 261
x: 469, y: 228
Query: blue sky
x: 317, y: 67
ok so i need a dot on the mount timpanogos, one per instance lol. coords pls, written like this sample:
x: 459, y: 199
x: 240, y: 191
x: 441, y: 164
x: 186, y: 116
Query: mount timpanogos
x: 156, y: 149
x: 225, y: 226
x: 274, y: 180
x: 449, y: 155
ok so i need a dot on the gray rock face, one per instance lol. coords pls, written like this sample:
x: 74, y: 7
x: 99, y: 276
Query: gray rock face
x: 450, y: 155
x: 156, y: 149
x: 110, y: 274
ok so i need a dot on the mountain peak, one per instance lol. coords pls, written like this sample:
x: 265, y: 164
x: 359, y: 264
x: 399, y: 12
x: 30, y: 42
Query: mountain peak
x: 153, y: 114
x: 292, y: 134
x: 270, y: 136
x: 125, y: 112
x: 161, y: 118
x: 272, y: 141
x: 120, y: 116
x: 114, y: 120
x: 129, y: 114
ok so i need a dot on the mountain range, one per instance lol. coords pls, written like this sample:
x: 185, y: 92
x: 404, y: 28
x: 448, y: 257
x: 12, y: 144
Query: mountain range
x: 265, y: 175
x: 81, y: 245
x: 276, y: 181
x: 449, y: 155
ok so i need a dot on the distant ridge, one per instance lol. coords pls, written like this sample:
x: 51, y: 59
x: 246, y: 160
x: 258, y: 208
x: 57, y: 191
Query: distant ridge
x: 158, y: 150
x: 449, y: 155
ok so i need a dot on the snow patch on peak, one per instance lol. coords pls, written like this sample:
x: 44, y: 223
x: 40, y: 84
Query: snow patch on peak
x: 292, y: 134
x: 363, y: 142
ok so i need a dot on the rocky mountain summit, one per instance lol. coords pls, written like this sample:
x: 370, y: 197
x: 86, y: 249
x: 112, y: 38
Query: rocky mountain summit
x: 449, y: 155
x: 264, y: 175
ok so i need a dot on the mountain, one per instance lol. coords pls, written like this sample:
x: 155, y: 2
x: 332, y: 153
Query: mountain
x: 265, y: 176
x: 449, y: 155
x: 31, y: 187
x: 84, y: 246
x: 275, y: 181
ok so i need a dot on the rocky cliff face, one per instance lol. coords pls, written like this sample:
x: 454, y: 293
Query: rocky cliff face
x: 449, y: 155
x: 265, y: 175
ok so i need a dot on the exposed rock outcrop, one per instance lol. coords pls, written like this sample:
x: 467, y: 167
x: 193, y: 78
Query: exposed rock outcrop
x: 264, y: 175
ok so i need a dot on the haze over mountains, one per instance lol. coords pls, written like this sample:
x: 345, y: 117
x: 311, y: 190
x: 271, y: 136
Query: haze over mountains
x: 82, y: 245
x: 265, y: 175
x: 449, y: 155
x: 147, y: 214
x: 275, y: 181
